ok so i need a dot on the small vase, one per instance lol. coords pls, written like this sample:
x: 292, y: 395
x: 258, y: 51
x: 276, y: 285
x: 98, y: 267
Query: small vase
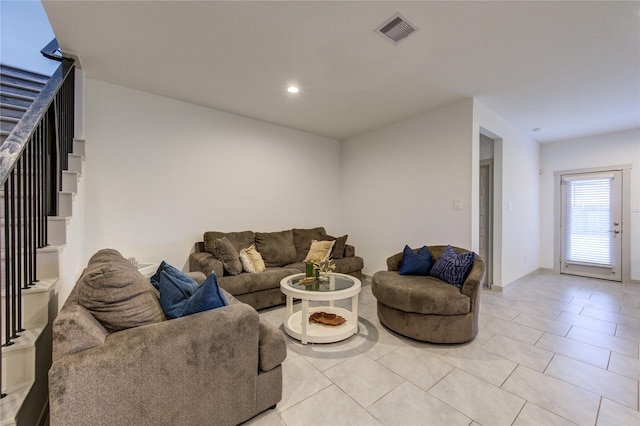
x: 309, y: 270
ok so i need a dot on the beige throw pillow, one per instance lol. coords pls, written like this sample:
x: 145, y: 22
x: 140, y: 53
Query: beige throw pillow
x: 319, y: 251
x: 251, y: 260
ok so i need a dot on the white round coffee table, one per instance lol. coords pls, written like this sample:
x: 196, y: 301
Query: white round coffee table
x: 338, y: 286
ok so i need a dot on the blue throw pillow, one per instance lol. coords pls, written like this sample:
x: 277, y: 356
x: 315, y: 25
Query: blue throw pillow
x: 415, y: 263
x: 179, y: 297
x: 171, y: 270
x: 452, y: 267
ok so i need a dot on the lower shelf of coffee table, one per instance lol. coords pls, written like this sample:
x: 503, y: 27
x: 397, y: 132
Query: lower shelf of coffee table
x: 320, y: 333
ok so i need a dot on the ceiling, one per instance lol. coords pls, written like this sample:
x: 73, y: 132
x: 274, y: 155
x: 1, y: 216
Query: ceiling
x: 569, y: 68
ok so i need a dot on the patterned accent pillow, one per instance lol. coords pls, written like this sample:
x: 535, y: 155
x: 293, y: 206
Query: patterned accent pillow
x: 452, y: 267
x: 415, y: 263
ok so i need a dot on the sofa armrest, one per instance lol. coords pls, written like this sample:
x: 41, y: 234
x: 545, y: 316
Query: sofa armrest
x: 273, y: 347
x: 205, y: 263
x: 146, y: 375
x: 75, y: 329
x: 349, y: 250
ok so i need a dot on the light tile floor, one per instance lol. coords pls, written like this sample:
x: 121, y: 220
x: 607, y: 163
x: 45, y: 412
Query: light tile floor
x: 553, y: 350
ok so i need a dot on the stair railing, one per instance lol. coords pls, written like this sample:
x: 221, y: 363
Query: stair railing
x: 31, y: 162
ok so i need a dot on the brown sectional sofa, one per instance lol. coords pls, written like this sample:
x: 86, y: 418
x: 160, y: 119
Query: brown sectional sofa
x: 283, y: 253
x: 220, y: 366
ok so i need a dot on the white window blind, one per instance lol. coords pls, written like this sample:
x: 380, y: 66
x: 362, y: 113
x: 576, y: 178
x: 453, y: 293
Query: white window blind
x: 587, y: 219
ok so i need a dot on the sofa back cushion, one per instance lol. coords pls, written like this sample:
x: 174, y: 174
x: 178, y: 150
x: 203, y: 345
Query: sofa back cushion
x: 302, y: 240
x: 276, y: 248
x: 239, y: 240
x: 116, y: 293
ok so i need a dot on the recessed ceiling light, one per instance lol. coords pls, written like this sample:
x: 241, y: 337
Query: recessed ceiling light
x: 292, y: 89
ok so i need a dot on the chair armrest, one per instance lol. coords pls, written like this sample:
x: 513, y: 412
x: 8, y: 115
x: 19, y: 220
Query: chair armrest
x: 273, y: 347
x: 473, y: 284
x: 205, y: 263
x: 393, y: 262
x: 198, y: 369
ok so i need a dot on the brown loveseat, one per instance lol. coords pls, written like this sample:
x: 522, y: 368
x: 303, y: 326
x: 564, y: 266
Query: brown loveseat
x: 283, y: 253
x: 427, y: 308
x: 220, y: 366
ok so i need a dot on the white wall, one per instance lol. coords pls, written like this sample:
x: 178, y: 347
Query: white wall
x: 596, y: 151
x: 516, y: 197
x: 399, y: 183
x: 160, y: 172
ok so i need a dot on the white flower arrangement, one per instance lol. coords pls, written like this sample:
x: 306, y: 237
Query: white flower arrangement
x: 324, y: 265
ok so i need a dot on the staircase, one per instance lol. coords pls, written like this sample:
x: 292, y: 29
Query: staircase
x: 26, y: 358
x: 26, y: 363
x: 18, y: 89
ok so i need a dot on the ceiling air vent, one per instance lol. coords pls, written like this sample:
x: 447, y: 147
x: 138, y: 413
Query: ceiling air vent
x: 396, y: 29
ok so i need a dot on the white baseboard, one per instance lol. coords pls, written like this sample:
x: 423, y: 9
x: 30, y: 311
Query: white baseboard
x: 521, y: 279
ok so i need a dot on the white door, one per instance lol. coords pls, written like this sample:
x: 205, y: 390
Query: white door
x: 591, y: 225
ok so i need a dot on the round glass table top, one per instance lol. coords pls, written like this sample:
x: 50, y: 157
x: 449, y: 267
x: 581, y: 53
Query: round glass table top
x: 334, y: 282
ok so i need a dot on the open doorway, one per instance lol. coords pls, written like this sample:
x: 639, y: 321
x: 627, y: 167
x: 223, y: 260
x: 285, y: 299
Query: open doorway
x: 486, y: 206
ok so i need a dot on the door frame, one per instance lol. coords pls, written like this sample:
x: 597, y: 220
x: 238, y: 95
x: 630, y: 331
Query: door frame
x: 625, y: 169
x: 489, y: 234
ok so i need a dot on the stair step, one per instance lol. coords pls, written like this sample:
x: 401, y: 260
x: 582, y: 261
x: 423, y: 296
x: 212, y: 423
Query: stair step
x: 70, y: 181
x: 48, y: 261
x: 79, y: 147
x: 10, y: 405
x: 22, y: 358
x: 35, y: 304
x: 57, y: 230
x: 12, y: 100
x: 7, y: 126
x: 19, y: 89
x: 17, y: 96
x: 4, y: 106
x: 75, y: 163
x: 8, y: 112
x: 8, y: 72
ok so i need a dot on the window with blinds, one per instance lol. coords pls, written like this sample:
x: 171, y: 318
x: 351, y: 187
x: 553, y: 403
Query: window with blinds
x: 587, y: 219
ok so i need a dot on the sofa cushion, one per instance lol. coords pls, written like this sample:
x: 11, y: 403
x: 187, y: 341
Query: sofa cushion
x: 452, y: 267
x: 228, y: 255
x: 180, y: 296
x: 240, y: 240
x: 319, y: 251
x: 302, y: 240
x: 276, y: 248
x: 338, y: 247
x: 250, y: 283
x: 415, y: 263
x: 251, y: 260
x: 116, y: 293
x: 418, y: 294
